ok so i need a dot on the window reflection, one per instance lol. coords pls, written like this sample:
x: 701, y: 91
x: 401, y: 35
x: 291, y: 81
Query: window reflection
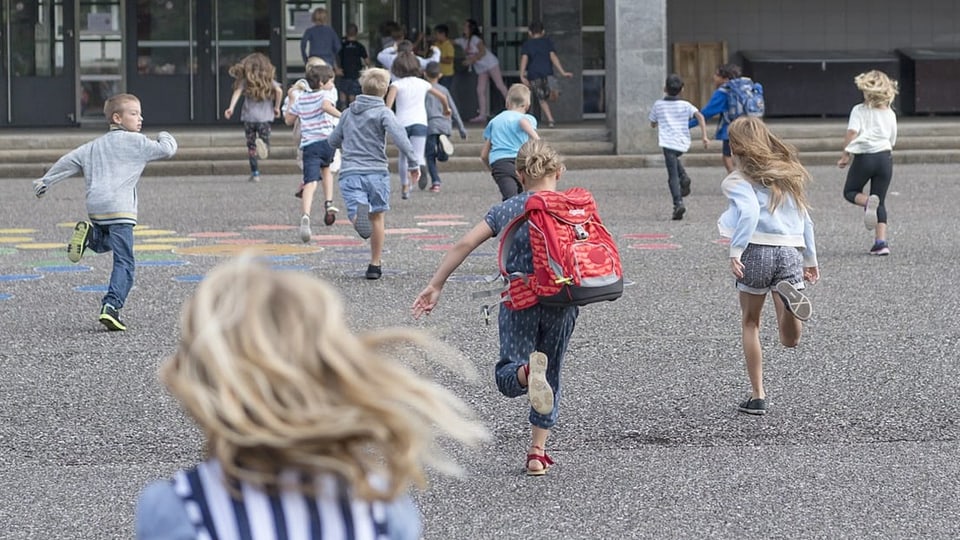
x: 163, y: 37
x: 36, y: 42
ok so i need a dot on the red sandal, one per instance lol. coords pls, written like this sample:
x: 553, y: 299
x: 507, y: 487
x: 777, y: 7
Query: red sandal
x: 544, y: 460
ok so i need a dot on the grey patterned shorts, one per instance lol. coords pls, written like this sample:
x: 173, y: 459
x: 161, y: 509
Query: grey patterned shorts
x: 765, y: 266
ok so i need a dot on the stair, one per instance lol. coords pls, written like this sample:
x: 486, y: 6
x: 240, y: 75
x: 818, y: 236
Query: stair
x: 221, y: 151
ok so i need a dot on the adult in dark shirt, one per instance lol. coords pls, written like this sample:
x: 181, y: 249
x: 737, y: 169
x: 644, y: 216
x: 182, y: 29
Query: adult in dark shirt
x: 320, y: 40
x: 353, y: 58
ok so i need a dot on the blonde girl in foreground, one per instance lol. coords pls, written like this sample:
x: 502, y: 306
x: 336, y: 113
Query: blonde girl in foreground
x: 772, y: 246
x: 871, y: 135
x: 309, y: 429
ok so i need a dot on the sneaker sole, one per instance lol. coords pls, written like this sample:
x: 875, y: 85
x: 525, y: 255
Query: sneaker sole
x: 538, y: 389
x: 78, y: 242
x: 881, y: 252
x: 755, y: 412
x: 870, y: 213
x: 362, y: 223
x: 684, y: 188
x: 112, y: 324
x: 446, y: 145
x: 679, y: 212
x: 330, y: 216
x: 305, y: 229
x: 263, y: 151
x: 795, y: 301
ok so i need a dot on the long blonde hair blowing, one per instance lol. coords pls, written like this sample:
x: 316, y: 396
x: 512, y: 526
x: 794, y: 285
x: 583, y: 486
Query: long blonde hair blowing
x: 878, y: 89
x: 537, y: 159
x: 275, y: 379
x: 766, y: 160
x: 257, y: 74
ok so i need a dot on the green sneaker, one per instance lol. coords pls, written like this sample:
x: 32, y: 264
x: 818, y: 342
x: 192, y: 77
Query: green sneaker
x: 78, y: 242
x: 110, y: 317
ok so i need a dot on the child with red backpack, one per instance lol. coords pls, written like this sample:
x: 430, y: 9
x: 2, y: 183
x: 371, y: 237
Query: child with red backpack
x: 539, y: 311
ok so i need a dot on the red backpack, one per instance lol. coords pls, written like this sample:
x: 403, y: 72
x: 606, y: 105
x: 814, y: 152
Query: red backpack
x: 575, y: 259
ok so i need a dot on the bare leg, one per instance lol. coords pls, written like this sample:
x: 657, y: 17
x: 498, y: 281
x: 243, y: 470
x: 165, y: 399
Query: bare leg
x: 483, y: 80
x: 750, y: 306
x: 790, y: 327
x: 728, y: 163
x: 376, y: 239
x: 497, y: 79
x: 538, y: 442
x: 546, y: 111
x: 326, y: 176
x: 881, y: 232
x: 306, y: 203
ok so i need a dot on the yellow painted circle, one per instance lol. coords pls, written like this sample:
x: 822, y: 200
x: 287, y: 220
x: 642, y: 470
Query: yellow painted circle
x: 15, y: 239
x: 173, y: 240
x: 153, y: 247
x: 153, y: 232
x: 67, y: 224
x: 62, y: 246
x: 17, y: 231
x: 230, y: 250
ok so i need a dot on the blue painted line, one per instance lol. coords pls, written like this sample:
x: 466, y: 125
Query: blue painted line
x: 291, y: 268
x: 196, y: 278
x: 162, y: 263
x: 63, y: 269
x: 20, y: 277
x: 277, y: 259
x: 91, y: 288
x: 5, y: 296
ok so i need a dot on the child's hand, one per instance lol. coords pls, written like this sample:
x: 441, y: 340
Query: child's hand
x: 811, y: 274
x: 463, y: 135
x: 524, y: 81
x: 566, y: 74
x: 426, y: 301
x: 414, y: 175
x: 706, y: 142
x: 844, y: 160
x: 447, y: 111
x: 276, y: 111
x: 39, y: 188
x: 228, y: 113
x: 736, y: 267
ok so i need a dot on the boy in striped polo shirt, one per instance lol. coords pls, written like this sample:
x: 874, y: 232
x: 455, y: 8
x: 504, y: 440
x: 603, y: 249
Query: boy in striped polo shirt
x: 671, y: 116
x: 317, y: 110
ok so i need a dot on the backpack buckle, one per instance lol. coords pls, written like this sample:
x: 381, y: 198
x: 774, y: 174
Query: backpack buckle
x: 580, y: 232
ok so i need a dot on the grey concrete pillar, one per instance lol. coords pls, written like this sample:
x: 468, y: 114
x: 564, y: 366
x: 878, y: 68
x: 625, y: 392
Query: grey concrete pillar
x: 561, y: 18
x: 636, y: 51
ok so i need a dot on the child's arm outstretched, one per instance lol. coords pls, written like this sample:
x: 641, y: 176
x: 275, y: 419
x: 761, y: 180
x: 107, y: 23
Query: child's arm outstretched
x: 528, y: 128
x: 277, y: 99
x: 555, y: 60
x: 703, y: 128
x: 233, y: 103
x: 429, y: 296
x: 443, y: 100
x: 847, y: 139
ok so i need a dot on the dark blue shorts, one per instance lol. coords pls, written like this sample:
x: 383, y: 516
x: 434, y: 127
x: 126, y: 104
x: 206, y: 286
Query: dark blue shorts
x: 726, y: 148
x: 316, y: 156
x: 350, y: 86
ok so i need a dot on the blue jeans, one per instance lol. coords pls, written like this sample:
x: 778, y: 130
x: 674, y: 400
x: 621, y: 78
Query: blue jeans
x: 118, y: 239
x: 430, y: 153
x: 675, y: 172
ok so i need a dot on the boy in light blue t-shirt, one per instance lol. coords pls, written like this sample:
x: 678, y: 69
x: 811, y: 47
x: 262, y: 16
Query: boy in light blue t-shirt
x: 503, y: 137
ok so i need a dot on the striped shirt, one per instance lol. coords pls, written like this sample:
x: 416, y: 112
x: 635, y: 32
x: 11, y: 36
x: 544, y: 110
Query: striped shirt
x: 315, y: 124
x: 672, y: 117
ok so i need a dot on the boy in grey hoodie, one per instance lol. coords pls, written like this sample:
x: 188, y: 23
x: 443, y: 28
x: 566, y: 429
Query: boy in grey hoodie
x: 364, y: 175
x: 111, y: 165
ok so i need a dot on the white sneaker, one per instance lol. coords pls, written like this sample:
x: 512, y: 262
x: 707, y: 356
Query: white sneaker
x: 263, y: 151
x: 870, y: 212
x: 305, y: 228
x: 335, y: 164
x: 446, y: 144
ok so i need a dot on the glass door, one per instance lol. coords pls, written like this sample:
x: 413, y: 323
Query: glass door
x: 100, y: 58
x: 162, y: 60
x: 39, y: 51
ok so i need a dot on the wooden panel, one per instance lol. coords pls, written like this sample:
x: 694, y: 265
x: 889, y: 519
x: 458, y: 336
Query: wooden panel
x: 696, y: 63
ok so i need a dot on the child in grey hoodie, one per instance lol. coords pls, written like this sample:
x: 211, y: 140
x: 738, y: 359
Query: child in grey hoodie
x: 364, y: 175
x: 111, y: 165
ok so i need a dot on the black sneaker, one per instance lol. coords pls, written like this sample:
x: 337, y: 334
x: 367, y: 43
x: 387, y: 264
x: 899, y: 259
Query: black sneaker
x: 373, y: 272
x: 755, y: 406
x: 880, y: 248
x: 110, y: 317
x: 795, y: 301
x: 362, y: 222
x: 424, y: 181
x: 78, y: 242
x: 684, y: 186
x: 678, y: 212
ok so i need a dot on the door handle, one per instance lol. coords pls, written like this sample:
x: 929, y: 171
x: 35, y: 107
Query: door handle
x: 276, y: 30
x: 69, y: 33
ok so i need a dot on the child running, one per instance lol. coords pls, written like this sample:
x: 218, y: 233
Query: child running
x: 111, y: 166
x: 772, y: 247
x: 254, y: 80
x: 353, y: 58
x: 504, y: 135
x: 310, y: 430
x: 409, y: 92
x: 538, y: 58
x: 439, y: 126
x: 871, y: 136
x: 671, y: 116
x: 364, y: 174
x: 317, y: 112
x: 532, y: 340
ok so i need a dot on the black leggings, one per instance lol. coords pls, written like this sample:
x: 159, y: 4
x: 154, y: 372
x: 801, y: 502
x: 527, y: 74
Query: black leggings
x: 876, y: 169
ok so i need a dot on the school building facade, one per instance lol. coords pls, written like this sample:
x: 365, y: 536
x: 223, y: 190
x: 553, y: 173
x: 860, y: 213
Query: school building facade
x: 59, y: 59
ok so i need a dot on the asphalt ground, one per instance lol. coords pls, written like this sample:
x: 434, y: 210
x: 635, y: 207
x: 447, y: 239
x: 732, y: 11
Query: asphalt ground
x: 860, y: 440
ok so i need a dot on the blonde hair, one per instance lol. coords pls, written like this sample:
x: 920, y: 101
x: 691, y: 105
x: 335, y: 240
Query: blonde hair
x: 536, y: 160
x: 256, y: 73
x: 375, y: 81
x: 518, y: 95
x: 878, y: 89
x: 116, y: 104
x: 319, y: 16
x: 276, y: 381
x: 315, y: 61
x: 766, y: 160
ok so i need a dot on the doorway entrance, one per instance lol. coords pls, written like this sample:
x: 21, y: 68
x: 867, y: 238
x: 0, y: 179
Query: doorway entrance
x: 180, y: 52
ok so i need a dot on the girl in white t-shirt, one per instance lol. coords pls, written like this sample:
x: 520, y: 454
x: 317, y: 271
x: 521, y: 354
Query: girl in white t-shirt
x: 484, y: 63
x: 409, y: 92
x: 871, y: 136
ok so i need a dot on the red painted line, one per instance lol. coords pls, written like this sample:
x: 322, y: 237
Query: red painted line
x: 436, y: 247
x: 270, y: 227
x: 647, y: 236
x: 431, y: 237
x: 654, y: 246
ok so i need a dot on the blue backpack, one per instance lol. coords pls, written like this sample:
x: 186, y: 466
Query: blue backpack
x: 744, y: 97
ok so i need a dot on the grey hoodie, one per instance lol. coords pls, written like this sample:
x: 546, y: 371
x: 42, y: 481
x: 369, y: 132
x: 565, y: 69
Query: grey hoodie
x: 361, y: 137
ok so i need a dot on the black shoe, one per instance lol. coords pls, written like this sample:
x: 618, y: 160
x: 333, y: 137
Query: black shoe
x: 78, y: 242
x: 373, y: 272
x: 678, y: 212
x: 110, y: 317
x: 755, y: 406
x: 361, y: 223
x: 329, y: 213
x: 423, y: 182
x: 685, y: 186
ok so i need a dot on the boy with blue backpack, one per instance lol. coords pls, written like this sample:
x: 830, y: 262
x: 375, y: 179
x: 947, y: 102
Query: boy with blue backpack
x: 735, y: 96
